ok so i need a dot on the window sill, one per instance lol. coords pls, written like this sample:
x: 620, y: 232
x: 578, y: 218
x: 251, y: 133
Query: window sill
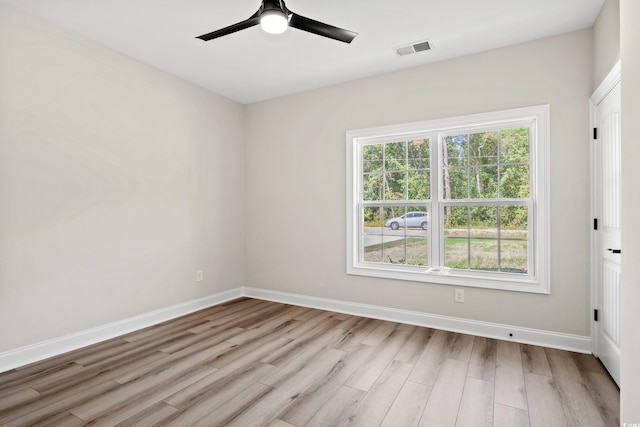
x: 452, y: 277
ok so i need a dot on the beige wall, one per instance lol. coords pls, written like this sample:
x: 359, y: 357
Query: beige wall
x: 117, y: 182
x: 630, y: 61
x: 295, y: 178
x: 606, y: 40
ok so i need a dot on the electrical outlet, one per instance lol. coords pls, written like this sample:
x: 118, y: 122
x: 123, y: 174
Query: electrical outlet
x: 199, y: 276
x: 459, y: 295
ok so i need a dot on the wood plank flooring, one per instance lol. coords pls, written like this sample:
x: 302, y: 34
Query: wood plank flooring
x: 257, y: 363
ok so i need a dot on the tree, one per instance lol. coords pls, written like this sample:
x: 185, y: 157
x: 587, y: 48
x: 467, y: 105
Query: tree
x: 480, y: 165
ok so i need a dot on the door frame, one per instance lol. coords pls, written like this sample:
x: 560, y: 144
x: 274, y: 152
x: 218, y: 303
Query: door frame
x: 606, y: 86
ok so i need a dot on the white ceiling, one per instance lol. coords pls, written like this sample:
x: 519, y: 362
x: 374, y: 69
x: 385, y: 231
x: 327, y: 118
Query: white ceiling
x: 250, y: 65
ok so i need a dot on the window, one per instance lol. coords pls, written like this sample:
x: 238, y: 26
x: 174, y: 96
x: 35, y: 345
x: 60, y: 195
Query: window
x: 459, y: 201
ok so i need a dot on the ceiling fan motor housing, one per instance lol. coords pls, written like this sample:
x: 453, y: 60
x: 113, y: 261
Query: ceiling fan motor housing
x: 277, y: 5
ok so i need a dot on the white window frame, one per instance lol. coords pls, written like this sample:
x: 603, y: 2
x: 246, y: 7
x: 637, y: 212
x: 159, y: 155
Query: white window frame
x: 538, y: 280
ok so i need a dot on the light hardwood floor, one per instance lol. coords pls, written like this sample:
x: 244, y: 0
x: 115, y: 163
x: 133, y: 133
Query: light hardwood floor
x: 252, y: 363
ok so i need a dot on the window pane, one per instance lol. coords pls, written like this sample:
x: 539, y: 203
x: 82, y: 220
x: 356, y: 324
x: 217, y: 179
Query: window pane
x: 404, y: 236
x: 455, y: 182
x: 372, y: 158
x: 419, y: 185
x: 484, y: 220
x: 514, y: 218
x: 455, y: 150
x: 372, y: 234
x: 483, y: 238
x: 419, y: 179
x: 514, y: 145
x: 418, y: 249
x: 513, y: 255
x: 484, y: 253
x: 372, y: 186
x: 419, y: 154
x: 395, y: 184
x: 395, y: 156
x: 473, y: 239
x: 372, y: 248
x: 456, y: 237
x: 484, y: 182
x: 483, y: 148
x: 514, y: 234
x: 396, y: 171
x: 514, y: 182
x: 372, y: 220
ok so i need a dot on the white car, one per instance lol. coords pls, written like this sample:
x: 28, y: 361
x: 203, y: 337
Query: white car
x: 410, y: 219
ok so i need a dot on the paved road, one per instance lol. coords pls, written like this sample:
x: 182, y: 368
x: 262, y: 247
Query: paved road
x: 372, y: 234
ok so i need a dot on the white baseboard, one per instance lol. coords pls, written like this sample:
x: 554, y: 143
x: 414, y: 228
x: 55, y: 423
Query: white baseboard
x: 577, y: 343
x: 43, y: 350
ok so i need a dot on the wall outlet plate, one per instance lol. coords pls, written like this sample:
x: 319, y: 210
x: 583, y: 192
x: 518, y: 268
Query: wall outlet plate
x: 459, y: 295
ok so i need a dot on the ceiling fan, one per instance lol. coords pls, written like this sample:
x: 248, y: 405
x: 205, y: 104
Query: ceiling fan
x: 274, y: 17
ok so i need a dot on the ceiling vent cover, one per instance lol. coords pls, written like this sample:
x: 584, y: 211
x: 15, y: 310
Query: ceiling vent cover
x: 413, y: 48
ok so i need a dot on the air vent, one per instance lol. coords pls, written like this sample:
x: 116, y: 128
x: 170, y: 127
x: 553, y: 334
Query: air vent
x: 413, y: 48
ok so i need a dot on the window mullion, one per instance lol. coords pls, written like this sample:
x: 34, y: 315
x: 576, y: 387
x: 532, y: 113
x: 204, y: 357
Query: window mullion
x: 435, y: 230
x: 532, y: 263
x: 383, y: 203
x: 469, y: 238
x: 499, y: 237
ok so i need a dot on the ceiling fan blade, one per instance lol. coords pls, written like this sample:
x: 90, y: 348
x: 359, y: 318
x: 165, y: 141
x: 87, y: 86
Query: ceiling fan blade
x: 321, y: 29
x: 252, y: 21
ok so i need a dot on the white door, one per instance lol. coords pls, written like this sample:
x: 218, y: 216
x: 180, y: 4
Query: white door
x: 607, y: 250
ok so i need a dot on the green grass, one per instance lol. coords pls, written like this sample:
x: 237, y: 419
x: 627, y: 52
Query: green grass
x: 484, y: 253
x: 394, y: 252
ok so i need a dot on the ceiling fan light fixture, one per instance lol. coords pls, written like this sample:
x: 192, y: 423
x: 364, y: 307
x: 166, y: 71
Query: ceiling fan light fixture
x: 274, y: 21
x: 274, y: 17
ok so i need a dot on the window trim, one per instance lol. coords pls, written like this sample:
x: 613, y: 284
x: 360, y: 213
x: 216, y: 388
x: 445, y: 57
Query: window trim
x: 539, y: 282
